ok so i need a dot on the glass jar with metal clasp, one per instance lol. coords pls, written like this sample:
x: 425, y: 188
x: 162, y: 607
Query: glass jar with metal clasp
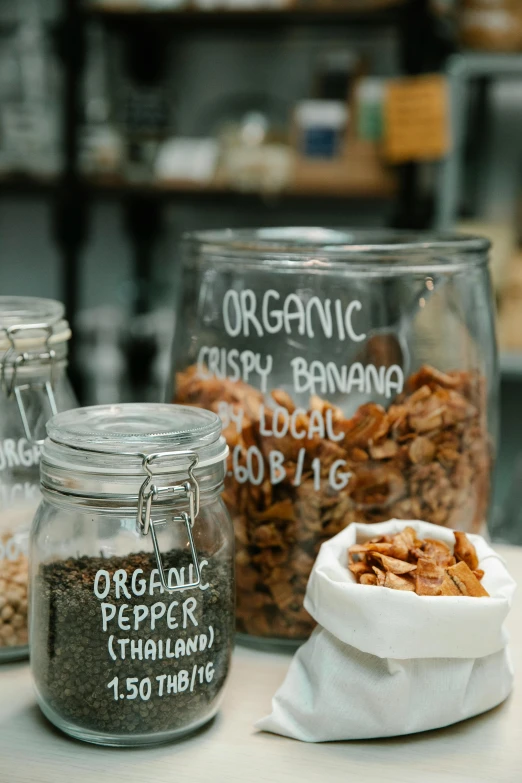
x: 356, y: 377
x: 33, y: 387
x: 132, y: 573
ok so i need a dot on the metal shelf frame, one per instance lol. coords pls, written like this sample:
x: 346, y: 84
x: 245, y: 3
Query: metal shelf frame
x: 461, y: 70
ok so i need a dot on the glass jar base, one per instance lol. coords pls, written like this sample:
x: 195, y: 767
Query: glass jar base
x: 268, y: 644
x: 8, y: 654
x: 120, y: 740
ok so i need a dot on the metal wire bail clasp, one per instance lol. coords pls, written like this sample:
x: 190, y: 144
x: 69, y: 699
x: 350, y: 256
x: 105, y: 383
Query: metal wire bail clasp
x: 14, y: 363
x: 149, y: 492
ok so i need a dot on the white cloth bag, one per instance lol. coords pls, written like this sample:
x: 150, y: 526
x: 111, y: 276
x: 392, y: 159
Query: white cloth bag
x: 383, y: 662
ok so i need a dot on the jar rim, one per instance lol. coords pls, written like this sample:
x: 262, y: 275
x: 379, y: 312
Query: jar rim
x: 24, y: 314
x: 145, y: 427
x: 26, y: 309
x: 344, y: 248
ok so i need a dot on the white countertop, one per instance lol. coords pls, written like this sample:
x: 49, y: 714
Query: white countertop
x: 484, y: 749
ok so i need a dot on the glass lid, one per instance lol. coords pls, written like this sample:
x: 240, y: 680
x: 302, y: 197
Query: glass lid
x: 141, y: 428
x: 24, y: 310
x: 116, y: 439
x: 31, y: 321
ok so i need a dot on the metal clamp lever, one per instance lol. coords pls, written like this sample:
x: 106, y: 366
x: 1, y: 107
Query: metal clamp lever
x: 11, y: 388
x: 183, y: 517
x: 149, y: 492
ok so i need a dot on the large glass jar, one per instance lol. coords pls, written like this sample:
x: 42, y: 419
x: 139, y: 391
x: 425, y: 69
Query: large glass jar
x: 33, y: 386
x: 132, y: 573
x: 356, y: 378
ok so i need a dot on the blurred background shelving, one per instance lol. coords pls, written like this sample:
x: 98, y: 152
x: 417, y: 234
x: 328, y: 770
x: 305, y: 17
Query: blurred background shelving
x: 221, y: 12
x: 117, y: 78
x: 122, y: 124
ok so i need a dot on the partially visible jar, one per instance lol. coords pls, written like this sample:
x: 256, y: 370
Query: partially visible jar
x: 357, y: 381
x: 33, y: 387
x: 132, y: 573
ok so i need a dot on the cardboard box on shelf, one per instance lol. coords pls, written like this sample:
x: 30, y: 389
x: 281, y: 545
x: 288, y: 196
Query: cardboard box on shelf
x: 359, y: 170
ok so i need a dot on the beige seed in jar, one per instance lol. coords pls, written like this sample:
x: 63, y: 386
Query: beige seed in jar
x: 7, y: 612
x: 12, y: 641
x: 6, y: 631
x: 3, y: 601
x: 18, y: 621
x: 13, y: 599
x: 23, y: 636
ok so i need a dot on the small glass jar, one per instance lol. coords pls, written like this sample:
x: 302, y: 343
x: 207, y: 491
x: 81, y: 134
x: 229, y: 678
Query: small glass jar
x: 33, y: 387
x: 132, y: 573
x: 356, y: 378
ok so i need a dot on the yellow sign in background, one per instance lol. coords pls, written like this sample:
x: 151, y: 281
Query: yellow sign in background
x: 417, y: 119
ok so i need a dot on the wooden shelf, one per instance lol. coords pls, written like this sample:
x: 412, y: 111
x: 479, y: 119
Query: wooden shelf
x: 304, y: 188
x: 359, y: 171
x: 328, y: 13
x: 358, y: 175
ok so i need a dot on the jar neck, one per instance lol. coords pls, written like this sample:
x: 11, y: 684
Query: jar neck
x: 119, y: 494
x: 32, y: 394
x: 33, y: 367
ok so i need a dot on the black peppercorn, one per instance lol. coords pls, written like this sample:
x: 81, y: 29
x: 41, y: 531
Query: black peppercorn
x: 119, y: 655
